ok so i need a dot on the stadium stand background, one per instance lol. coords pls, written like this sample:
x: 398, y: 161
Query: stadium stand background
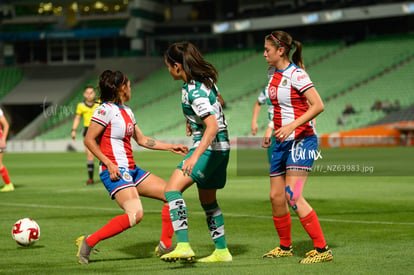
x: 50, y: 51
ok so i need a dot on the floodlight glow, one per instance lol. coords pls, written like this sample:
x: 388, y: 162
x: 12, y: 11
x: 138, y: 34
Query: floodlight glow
x: 310, y: 18
x: 334, y: 15
x: 221, y: 27
x: 409, y: 8
x: 242, y: 25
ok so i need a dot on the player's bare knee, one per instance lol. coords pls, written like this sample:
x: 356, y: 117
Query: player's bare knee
x: 272, y: 196
x: 276, y: 197
x: 278, y: 201
x: 133, y: 208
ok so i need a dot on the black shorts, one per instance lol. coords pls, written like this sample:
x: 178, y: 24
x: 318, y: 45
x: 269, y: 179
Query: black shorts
x: 84, y: 131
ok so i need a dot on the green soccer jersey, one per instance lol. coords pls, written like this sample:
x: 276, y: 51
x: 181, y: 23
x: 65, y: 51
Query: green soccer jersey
x: 198, y: 102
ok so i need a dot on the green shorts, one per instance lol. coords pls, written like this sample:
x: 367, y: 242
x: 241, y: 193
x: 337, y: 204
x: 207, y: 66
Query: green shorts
x: 210, y: 171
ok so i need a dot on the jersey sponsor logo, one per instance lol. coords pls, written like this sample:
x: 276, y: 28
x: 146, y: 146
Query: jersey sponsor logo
x: 130, y: 129
x: 101, y: 112
x: 272, y: 92
x: 196, y: 93
x: 302, y: 77
x: 202, y: 109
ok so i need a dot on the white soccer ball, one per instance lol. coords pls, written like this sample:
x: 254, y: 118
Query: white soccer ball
x: 26, y: 231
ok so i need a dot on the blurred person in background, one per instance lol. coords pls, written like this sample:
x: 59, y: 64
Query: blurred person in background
x: 261, y: 100
x: 85, y: 110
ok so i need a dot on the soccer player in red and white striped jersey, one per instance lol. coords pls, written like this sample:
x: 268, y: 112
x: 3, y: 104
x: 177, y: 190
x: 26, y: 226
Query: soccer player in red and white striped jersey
x: 113, y: 124
x: 296, y: 103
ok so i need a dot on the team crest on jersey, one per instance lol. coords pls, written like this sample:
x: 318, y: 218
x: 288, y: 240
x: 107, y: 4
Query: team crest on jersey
x: 272, y: 92
x: 129, y: 129
x: 126, y: 176
x: 184, y: 97
x: 284, y: 82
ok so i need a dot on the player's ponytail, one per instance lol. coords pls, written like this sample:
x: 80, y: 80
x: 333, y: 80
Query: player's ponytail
x: 193, y: 63
x: 283, y: 39
x: 104, y: 86
x: 297, y: 57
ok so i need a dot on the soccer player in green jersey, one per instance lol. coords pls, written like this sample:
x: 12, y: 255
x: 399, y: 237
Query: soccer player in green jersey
x: 206, y: 162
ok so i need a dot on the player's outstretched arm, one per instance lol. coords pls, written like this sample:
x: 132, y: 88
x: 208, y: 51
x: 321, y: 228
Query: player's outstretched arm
x: 153, y: 144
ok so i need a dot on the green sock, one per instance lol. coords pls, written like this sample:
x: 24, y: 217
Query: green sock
x: 215, y: 223
x: 178, y: 213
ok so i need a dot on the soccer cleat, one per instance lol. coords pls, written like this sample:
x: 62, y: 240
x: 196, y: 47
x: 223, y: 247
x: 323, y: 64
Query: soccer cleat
x: 90, y: 182
x: 182, y: 252
x: 279, y: 252
x: 219, y: 255
x: 7, y: 187
x: 314, y: 256
x: 160, y: 249
x: 84, y: 250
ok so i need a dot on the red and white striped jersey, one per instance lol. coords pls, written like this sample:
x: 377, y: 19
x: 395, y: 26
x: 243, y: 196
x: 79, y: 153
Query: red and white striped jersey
x: 115, y: 141
x: 285, y: 91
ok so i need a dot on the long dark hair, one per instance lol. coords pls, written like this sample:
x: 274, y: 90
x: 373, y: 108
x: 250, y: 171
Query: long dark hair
x: 194, y: 65
x: 283, y: 39
x: 109, y: 84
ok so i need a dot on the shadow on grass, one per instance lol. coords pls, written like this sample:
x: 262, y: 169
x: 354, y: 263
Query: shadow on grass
x: 140, y: 250
x: 30, y: 247
x: 134, y: 252
x: 237, y: 249
x: 181, y: 265
x: 145, y: 250
x: 300, y: 248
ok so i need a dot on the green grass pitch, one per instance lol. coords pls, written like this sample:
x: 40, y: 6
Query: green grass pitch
x: 368, y: 219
